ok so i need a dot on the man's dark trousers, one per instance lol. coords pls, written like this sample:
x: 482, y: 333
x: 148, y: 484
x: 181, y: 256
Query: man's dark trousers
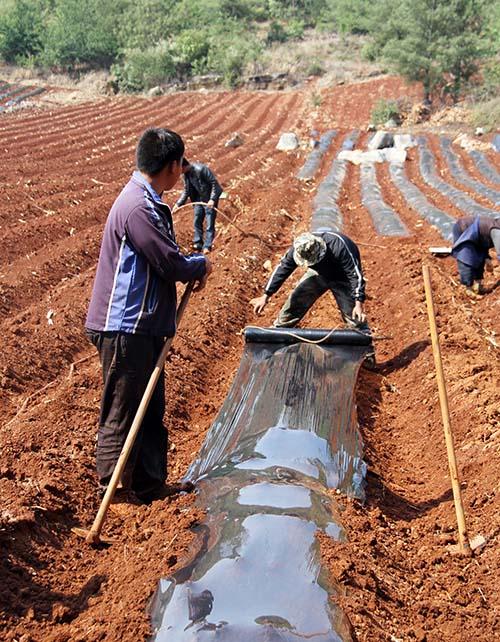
x: 201, y: 212
x: 127, y: 362
x: 308, y: 290
x: 469, y: 274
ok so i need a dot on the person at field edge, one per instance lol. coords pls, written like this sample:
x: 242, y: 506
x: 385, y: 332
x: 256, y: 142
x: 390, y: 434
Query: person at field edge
x: 201, y: 186
x: 473, y: 237
x: 132, y: 309
x: 333, y: 263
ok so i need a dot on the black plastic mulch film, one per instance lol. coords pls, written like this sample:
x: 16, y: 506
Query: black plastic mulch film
x: 286, y: 433
x: 310, y: 167
x: 442, y: 221
x: 326, y: 216
x: 484, y: 166
x: 458, y: 172
x: 385, y: 219
x: 428, y: 170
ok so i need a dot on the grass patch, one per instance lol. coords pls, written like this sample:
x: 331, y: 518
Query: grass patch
x: 487, y: 114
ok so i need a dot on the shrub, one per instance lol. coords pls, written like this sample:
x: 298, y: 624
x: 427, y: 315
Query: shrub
x: 190, y: 51
x: 142, y: 69
x: 487, y: 114
x: 276, y: 33
x: 315, y: 68
x: 384, y: 110
x: 489, y: 87
x: 81, y: 33
x: 230, y: 54
x: 295, y: 29
x: 21, y: 28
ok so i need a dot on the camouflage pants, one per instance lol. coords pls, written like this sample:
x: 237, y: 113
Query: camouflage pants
x: 308, y: 290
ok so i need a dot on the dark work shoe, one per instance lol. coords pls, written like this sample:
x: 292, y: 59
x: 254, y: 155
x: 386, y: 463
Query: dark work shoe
x: 167, y: 490
x: 197, y: 247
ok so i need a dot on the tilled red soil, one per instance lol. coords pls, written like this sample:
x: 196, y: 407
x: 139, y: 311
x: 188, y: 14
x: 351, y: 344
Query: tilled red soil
x: 59, y: 173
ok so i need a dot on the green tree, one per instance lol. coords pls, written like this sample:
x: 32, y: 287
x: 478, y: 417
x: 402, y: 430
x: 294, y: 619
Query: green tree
x: 437, y: 42
x: 21, y: 29
x: 83, y: 33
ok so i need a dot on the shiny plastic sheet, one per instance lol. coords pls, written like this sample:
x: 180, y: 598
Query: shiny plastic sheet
x: 326, y: 216
x: 310, y: 167
x: 385, y: 219
x: 428, y: 170
x: 286, y: 433
x: 484, y: 166
x: 458, y: 172
x: 442, y: 221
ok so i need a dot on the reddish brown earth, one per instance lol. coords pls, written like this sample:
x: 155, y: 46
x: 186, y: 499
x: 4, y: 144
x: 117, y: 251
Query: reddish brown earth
x: 59, y: 173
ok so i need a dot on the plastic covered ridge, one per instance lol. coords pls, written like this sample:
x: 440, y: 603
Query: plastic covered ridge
x: 385, y: 219
x: 460, y: 199
x: 326, y: 216
x: 286, y: 433
x: 313, y: 161
x: 442, y: 221
x: 485, y: 167
x: 458, y: 172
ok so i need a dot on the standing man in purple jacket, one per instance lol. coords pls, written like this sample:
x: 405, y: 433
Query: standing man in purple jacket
x: 132, y: 310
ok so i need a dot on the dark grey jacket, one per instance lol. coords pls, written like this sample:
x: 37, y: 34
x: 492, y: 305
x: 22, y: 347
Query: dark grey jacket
x: 200, y: 184
x: 341, y: 263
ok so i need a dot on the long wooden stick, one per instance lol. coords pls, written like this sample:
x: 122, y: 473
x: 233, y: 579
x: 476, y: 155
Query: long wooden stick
x: 445, y: 413
x: 93, y: 536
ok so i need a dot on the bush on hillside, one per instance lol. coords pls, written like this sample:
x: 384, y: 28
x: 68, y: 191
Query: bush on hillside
x: 190, y: 52
x: 384, y: 110
x: 436, y: 42
x: 487, y: 114
x: 489, y: 85
x: 230, y: 54
x: 142, y: 69
x: 81, y: 33
x: 21, y: 29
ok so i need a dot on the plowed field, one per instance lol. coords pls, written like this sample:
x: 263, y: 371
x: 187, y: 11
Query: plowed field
x: 59, y: 174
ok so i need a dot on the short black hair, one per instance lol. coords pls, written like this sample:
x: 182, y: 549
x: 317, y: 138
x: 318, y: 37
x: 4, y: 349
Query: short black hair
x: 157, y: 148
x: 185, y: 162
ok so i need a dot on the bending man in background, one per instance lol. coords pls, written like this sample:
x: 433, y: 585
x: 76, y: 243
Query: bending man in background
x: 473, y: 237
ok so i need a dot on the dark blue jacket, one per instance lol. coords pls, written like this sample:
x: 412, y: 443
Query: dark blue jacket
x: 472, y: 239
x: 139, y: 264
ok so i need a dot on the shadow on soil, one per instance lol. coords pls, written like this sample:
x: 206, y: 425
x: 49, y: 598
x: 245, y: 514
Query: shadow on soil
x: 369, y: 399
x: 24, y: 595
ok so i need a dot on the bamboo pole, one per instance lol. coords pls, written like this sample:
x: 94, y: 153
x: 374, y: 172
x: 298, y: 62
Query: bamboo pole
x: 463, y: 539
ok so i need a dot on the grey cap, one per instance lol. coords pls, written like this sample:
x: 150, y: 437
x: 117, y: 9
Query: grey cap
x: 308, y: 249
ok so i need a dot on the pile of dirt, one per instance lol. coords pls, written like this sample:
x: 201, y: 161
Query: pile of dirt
x: 398, y: 578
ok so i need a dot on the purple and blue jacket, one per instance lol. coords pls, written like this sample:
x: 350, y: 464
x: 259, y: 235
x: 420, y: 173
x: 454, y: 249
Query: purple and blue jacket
x: 139, y: 264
